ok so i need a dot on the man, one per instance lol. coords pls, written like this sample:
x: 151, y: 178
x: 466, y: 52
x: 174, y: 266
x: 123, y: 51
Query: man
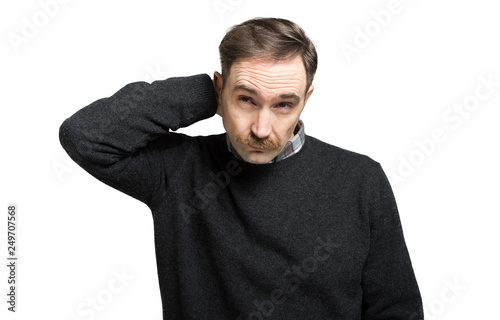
x: 263, y: 221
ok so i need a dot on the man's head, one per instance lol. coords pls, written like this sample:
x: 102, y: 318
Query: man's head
x: 268, y: 66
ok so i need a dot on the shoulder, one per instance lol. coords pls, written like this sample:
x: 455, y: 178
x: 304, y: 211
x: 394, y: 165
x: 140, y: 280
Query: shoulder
x: 339, y: 157
x: 354, y: 171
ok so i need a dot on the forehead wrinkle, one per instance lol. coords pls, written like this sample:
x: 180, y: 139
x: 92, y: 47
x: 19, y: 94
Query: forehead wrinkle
x: 282, y: 84
x: 260, y: 64
x: 283, y: 92
x: 269, y: 78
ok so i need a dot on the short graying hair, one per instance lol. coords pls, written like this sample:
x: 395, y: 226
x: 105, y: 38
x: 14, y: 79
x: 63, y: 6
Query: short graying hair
x: 269, y: 38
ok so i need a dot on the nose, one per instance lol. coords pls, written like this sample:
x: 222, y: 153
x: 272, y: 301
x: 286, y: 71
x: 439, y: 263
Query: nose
x: 262, y: 124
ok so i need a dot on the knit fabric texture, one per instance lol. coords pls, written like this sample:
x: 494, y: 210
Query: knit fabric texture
x: 314, y: 236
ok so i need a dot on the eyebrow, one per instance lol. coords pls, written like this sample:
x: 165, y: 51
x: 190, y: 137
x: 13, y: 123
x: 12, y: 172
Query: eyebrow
x: 283, y: 96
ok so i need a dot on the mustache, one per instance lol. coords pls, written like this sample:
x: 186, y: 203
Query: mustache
x: 252, y: 140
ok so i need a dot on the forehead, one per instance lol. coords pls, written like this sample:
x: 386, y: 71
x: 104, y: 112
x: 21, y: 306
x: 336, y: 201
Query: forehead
x: 268, y: 76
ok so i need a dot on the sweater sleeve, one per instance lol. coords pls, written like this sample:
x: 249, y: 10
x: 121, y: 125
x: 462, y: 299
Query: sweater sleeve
x: 112, y: 137
x: 390, y: 289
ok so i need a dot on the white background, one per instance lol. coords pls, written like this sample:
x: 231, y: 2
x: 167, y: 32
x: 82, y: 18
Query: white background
x: 75, y: 233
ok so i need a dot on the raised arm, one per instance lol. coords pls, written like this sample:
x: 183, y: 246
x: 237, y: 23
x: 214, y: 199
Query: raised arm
x: 113, y: 138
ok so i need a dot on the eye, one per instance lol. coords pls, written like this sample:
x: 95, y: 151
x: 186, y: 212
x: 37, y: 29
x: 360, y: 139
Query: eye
x: 245, y: 99
x: 284, y: 105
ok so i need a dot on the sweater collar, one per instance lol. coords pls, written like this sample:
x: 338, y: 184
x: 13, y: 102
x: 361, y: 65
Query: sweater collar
x: 292, y: 146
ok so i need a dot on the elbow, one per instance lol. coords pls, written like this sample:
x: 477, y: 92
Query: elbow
x: 71, y: 140
x: 65, y: 134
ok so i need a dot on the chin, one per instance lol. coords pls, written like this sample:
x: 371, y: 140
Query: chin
x: 258, y: 157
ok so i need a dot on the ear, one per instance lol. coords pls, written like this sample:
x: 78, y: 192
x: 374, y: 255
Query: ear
x: 218, y: 82
x: 308, y: 94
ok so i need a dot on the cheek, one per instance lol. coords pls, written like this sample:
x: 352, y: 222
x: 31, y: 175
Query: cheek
x: 284, y: 127
x: 235, y: 121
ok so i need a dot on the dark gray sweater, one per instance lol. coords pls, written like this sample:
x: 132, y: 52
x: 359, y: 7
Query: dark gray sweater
x: 314, y: 236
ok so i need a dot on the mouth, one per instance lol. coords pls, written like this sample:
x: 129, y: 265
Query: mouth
x: 257, y: 148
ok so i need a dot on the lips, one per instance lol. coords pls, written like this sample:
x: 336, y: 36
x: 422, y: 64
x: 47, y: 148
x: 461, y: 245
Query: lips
x: 256, y: 148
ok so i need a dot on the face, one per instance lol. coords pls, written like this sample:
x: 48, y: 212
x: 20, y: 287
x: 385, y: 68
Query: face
x: 260, y: 105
